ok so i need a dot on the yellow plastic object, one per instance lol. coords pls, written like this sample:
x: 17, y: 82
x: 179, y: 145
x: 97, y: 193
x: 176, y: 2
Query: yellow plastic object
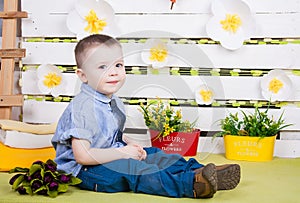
x: 249, y: 148
x: 13, y: 157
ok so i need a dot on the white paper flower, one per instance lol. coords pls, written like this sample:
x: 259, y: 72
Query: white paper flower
x: 276, y: 86
x: 231, y: 24
x: 92, y: 17
x: 50, y: 80
x: 156, y: 53
x: 204, y: 95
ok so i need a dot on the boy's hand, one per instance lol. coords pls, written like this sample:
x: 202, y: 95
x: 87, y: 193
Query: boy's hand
x: 133, y: 151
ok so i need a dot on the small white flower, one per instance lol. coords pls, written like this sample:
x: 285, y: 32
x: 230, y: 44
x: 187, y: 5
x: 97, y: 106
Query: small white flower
x: 50, y: 80
x: 231, y: 24
x: 156, y: 53
x: 92, y: 17
x: 204, y: 95
x: 276, y: 86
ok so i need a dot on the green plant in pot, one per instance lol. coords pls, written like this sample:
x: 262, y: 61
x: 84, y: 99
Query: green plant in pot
x: 246, y: 138
x: 168, y: 130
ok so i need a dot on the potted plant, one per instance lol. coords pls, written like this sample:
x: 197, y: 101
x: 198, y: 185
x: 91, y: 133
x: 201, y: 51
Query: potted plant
x: 251, y: 137
x: 167, y: 129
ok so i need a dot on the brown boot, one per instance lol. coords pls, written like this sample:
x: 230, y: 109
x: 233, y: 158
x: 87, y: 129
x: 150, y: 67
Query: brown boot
x: 205, y: 184
x: 228, y: 176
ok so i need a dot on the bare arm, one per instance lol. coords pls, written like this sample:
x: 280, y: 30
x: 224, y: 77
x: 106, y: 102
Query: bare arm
x: 86, y: 155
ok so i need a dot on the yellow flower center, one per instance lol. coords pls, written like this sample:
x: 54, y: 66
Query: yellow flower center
x: 95, y: 25
x: 275, y: 85
x: 231, y: 23
x: 51, y: 80
x: 206, y: 95
x: 158, y: 53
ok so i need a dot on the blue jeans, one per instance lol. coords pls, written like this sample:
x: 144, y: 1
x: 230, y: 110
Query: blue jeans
x: 159, y: 174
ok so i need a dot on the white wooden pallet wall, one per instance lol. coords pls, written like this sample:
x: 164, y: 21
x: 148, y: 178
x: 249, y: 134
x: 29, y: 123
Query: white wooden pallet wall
x: 276, y: 19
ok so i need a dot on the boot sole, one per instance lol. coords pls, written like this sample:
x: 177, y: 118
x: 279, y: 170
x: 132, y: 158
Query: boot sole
x: 210, y: 174
x: 229, y: 177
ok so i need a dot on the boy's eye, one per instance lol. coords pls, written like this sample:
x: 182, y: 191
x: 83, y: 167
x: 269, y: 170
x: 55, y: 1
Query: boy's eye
x: 119, y: 65
x: 103, y: 67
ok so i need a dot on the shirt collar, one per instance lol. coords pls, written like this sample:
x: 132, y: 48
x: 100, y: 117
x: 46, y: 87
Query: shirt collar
x: 97, y: 95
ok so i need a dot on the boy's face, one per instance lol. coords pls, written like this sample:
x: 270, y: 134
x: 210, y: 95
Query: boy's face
x: 104, y: 69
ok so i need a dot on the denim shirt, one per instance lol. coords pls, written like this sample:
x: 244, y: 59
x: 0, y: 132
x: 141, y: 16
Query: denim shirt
x: 91, y: 116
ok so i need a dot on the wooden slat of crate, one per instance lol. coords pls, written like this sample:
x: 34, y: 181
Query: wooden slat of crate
x: 176, y: 25
x: 11, y: 100
x: 208, y: 117
x: 13, y: 14
x: 211, y: 56
x: 166, y: 86
x: 12, y: 53
x: 159, y: 6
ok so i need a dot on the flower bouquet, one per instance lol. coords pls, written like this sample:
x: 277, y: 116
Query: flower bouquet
x: 42, y: 179
x: 168, y: 130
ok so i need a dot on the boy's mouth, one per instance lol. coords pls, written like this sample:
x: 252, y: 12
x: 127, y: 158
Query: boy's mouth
x: 113, y: 82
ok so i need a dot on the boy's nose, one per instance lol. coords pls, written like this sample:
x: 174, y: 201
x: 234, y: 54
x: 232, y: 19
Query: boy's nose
x: 113, y: 70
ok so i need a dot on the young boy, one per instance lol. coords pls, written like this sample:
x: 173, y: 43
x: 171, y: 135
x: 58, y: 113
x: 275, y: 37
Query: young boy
x: 88, y: 139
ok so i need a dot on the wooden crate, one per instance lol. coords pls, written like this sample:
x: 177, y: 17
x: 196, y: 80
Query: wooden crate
x: 196, y: 57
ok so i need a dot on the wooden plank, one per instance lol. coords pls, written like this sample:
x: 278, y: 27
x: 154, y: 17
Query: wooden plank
x: 7, y: 65
x: 196, y: 6
x: 11, y: 100
x: 283, y: 25
x: 193, y: 26
x: 35, y: 111
x: 159, y: 6
x: 183, y: 55
x: 208, y: 117
x: 184, y: 87
x: 12, y: 53
x: 166, y: 86
x: 13, y: 14
x: 287, y: 148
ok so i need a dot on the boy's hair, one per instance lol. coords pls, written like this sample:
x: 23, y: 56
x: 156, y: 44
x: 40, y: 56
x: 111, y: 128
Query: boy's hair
x: 89, y: 42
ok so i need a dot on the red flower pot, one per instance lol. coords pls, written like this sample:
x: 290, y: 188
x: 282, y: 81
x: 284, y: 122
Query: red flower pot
x: 183, y: 143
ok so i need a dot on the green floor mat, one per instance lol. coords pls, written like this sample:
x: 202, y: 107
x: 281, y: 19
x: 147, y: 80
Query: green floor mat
x: 274, y: 181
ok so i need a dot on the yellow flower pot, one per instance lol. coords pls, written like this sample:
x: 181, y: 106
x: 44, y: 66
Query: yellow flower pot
x: 249, y: 148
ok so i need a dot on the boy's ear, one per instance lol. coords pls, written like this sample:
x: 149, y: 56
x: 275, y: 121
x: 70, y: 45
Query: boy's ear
x: 81, y: 75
